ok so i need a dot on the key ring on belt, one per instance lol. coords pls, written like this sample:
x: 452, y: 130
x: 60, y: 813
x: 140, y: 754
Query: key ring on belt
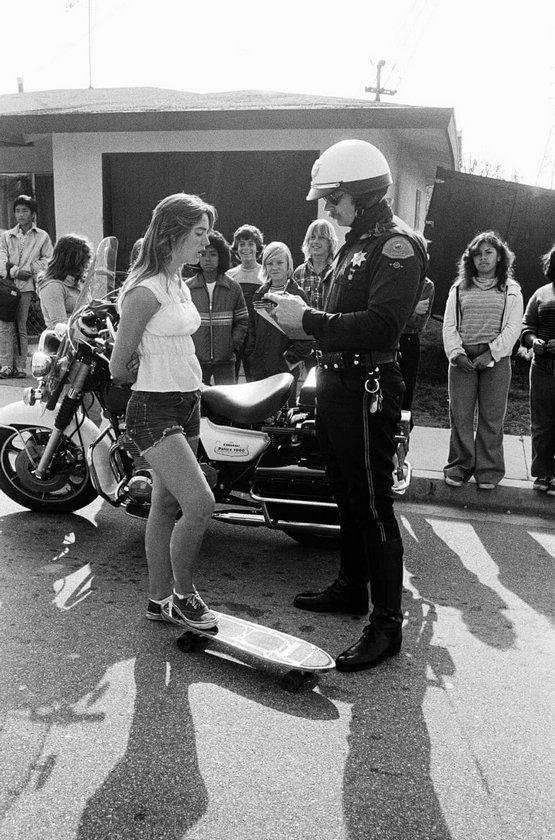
x: 372, y: 384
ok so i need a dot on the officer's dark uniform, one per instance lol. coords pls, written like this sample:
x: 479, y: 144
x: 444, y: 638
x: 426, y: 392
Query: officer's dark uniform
x: 377, y: 280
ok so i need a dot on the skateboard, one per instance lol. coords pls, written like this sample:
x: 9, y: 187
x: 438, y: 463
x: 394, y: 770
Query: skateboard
x: 304, y: 659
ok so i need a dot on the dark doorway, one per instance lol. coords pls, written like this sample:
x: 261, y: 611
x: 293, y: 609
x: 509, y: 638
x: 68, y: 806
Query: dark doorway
x: 267, y: 189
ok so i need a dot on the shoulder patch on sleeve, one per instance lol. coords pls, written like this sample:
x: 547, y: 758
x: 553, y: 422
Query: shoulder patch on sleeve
x: 398, y: 248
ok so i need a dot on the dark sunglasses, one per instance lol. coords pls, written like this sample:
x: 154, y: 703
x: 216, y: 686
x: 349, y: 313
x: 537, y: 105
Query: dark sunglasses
x: 334, y: 198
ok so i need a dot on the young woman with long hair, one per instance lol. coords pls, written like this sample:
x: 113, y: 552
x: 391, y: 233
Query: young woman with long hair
x: 59, y: 285
x: 157, y: 321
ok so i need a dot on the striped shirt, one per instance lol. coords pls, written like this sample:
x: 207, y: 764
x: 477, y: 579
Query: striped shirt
x: 481, y: 312
x: 224, y: 318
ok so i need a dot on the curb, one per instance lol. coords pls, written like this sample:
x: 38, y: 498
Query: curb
x: 510, y: 496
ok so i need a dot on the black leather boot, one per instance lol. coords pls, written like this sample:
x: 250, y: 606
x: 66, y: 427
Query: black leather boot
x: 339, y: 597
x: 376, y: 644
x: 383, y: 636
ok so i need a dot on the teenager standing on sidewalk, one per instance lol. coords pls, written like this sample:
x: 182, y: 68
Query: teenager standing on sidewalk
x: 24, y: 253
x: 158, y: 319
x: 482, y: 322
x: 319, y: 248
x: 247, y: 246
x: 269, y: 349
x: 223, y: 313
x: 538, y: 332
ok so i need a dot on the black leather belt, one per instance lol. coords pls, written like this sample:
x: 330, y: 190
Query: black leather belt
x: 351, y: 360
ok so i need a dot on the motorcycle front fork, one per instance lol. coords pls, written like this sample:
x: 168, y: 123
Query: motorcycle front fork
x: 65, y: 414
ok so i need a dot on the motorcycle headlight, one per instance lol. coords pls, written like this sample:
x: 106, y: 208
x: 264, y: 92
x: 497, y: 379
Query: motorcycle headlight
x: 41, y: 364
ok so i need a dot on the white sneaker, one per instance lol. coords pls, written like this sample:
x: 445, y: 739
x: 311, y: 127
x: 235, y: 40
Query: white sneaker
x: 453, y: 482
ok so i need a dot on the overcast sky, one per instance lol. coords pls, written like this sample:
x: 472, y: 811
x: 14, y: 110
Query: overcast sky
x: 493, y: 65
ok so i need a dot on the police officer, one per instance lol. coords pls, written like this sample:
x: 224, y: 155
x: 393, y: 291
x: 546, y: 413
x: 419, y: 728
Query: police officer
x: 377, y: 280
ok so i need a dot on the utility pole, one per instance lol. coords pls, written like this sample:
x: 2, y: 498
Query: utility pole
x: 71, y: 5
x: 546, y: 172
x: 90, y: 49
x: 379, y: 89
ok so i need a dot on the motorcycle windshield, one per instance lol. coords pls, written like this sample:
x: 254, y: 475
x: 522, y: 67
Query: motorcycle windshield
x: 100, y: 279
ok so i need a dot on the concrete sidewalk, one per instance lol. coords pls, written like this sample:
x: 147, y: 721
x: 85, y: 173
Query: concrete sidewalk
x: 428, y: 455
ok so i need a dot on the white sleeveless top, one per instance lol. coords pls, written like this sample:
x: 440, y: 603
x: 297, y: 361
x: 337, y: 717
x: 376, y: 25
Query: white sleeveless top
x: 167, y: 360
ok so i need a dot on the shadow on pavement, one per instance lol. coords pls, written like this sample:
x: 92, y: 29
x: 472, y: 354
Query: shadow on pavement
x: 388, y: 791
x: 97, y: 722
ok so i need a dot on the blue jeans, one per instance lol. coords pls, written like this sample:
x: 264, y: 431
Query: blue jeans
x: 486, y: 392
x: 7, y: 341
x: 22, y: 315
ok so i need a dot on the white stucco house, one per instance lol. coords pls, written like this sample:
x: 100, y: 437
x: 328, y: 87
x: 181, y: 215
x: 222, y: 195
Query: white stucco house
x: 99, y: 160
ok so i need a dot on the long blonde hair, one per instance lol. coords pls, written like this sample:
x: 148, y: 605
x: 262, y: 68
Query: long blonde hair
x: 172, y: 218
x: 321, y: 227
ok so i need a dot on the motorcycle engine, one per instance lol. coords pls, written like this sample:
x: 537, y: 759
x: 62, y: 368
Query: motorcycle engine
x: 139, y: 487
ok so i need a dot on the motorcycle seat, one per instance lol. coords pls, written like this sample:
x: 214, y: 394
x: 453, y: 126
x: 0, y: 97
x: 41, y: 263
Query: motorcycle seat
x: 249, y: 402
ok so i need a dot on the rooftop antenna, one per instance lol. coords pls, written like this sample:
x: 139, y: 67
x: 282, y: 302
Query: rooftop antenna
x: 378, y: 90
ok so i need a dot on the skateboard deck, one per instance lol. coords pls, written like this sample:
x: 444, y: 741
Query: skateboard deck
x: 304, y: 659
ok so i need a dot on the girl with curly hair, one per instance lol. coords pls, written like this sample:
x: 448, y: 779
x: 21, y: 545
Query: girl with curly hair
x: 59, y: 285
x: 482, y: 323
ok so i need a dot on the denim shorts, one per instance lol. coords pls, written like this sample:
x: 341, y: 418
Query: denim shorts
x: 152, y: 416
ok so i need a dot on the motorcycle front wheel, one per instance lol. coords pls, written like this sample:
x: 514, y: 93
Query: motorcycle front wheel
x: 68, y: 485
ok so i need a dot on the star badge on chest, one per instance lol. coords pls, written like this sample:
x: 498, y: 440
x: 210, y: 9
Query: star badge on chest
x: 358, y: 259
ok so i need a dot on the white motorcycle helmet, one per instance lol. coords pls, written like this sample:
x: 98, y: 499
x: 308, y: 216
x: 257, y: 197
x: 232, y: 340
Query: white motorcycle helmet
x: 352, y: 165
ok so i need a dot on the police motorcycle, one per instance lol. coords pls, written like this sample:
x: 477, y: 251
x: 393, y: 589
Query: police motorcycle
x: 260, y: 458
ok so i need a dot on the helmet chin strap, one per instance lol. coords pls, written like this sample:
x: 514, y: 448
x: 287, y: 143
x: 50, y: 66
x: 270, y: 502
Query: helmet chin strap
x: 366, y: 201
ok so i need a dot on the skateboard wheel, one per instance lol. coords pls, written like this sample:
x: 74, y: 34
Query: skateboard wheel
x: 292, y: 681
x: 187, y: 642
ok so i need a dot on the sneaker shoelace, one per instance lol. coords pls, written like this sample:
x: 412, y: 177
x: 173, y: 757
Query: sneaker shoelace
x: 195, y: 601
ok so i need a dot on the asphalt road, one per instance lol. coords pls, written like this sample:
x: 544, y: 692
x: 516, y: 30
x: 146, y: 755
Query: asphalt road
x: 110, y: 732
